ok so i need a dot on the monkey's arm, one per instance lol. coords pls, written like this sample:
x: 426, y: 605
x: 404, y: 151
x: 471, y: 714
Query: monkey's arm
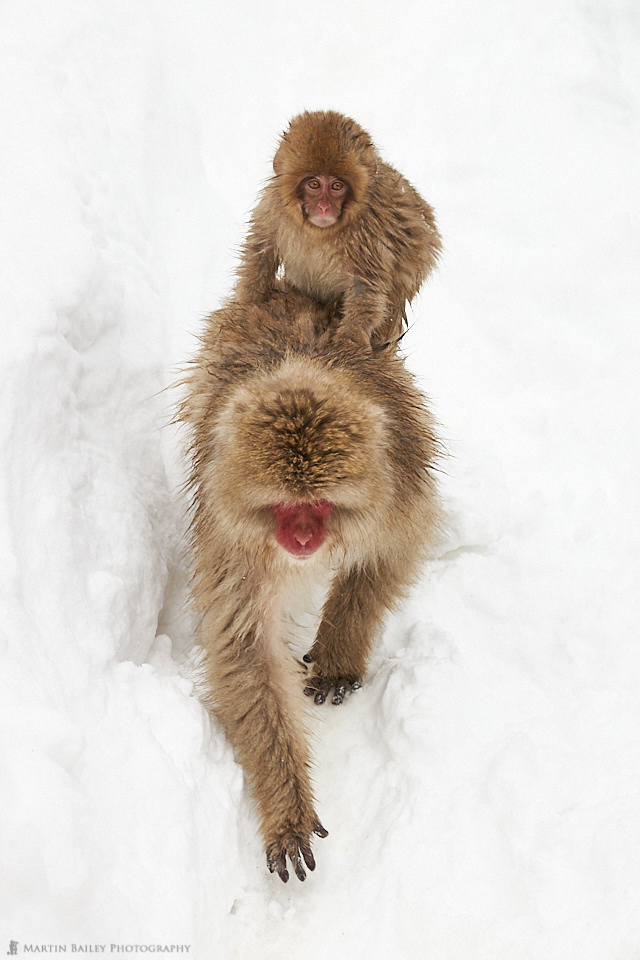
x: 388, y: 257
x: 258, y: 267
x: 260, y: 257
x: 367, y: 315
x: 352, y: 614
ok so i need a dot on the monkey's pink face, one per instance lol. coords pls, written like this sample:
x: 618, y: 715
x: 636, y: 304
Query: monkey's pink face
x: 301, y: 528
x: 322, y: 199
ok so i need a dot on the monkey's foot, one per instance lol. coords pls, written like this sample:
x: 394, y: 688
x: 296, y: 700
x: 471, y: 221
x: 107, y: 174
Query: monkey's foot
x: 319, y: 687
x: 296, y: 848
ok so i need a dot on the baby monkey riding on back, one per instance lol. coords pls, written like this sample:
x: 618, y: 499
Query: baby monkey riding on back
x: 341, y: 226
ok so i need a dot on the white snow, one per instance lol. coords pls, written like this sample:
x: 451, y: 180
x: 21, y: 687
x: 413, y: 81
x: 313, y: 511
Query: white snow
x: 482, y: 791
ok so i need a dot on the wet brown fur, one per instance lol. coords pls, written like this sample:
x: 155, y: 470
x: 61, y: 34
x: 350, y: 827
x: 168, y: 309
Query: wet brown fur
x: 278, y: 413
x: 372, y: 261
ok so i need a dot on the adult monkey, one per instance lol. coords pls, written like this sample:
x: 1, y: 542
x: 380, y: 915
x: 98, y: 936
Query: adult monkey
x: 309, y: 463
x: 343, y: 227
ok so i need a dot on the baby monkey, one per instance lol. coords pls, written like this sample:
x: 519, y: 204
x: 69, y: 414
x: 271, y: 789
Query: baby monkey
x: 343, y: 227
x: 308, y: 460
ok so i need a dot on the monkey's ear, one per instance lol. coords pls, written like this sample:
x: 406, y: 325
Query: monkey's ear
x: 277, y: 163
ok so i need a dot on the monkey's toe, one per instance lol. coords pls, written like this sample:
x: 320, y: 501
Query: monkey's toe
x: 340, y: 692
x: 297, y: 850
x: 319, y: 688
x: 277, y: 863
x: 320, y: 830
x: 343, y: 689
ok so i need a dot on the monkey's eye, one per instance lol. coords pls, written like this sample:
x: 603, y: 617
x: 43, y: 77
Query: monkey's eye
x: 313, y: 183
x: 337, y: 185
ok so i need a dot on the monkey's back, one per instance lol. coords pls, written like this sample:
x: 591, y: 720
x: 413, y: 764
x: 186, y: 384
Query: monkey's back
x: 258, y: 354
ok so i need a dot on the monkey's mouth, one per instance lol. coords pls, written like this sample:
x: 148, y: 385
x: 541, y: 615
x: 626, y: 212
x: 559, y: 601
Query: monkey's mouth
x: 301, y: 527
x: 322, y: 222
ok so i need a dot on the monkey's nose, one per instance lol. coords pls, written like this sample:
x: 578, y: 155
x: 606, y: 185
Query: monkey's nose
x: 303, y: 536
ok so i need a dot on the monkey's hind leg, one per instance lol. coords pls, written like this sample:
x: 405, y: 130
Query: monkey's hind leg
x: 257, y: 701
x: 357, y: 602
